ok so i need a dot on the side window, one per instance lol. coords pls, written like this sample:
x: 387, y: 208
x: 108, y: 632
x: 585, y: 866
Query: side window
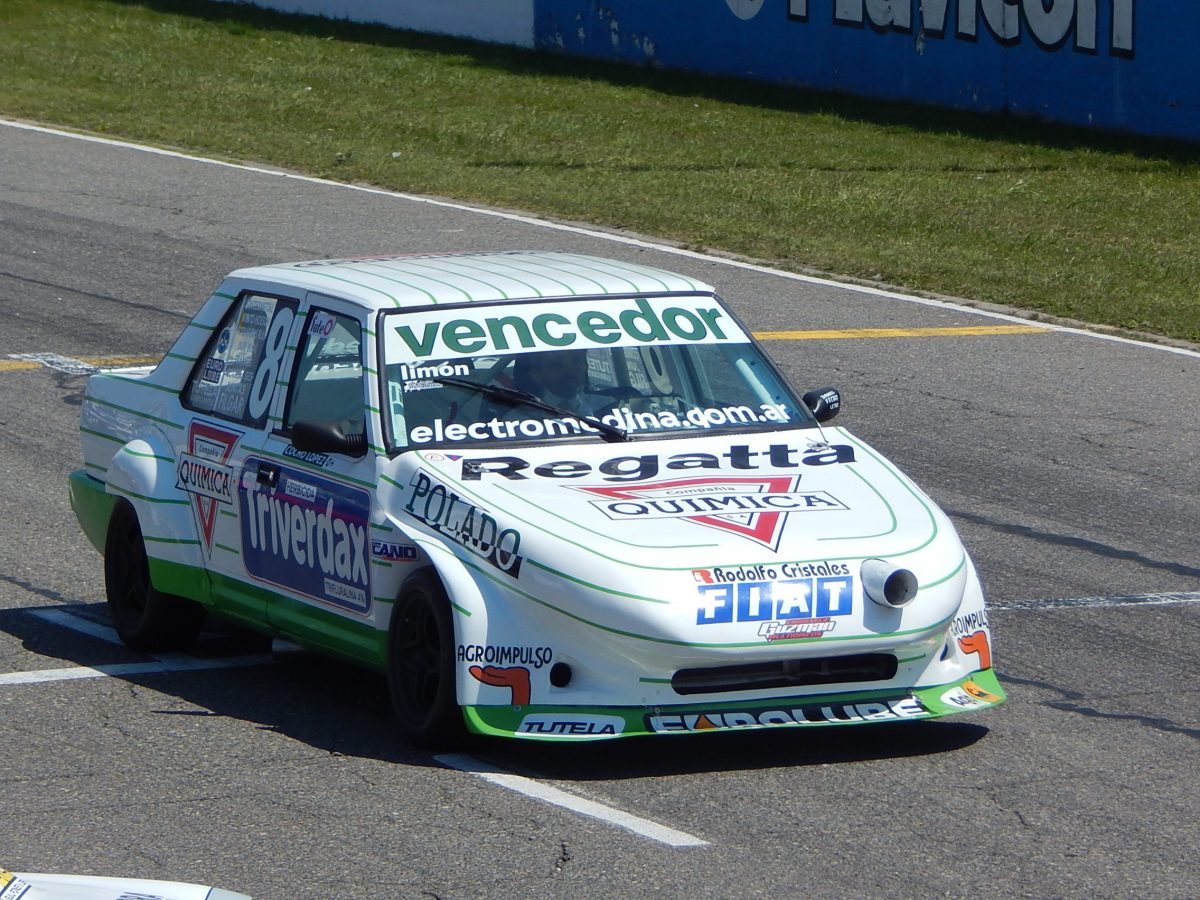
x: 328, y: 384
x: 236, y: 376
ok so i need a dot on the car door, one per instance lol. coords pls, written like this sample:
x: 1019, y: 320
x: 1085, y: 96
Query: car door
x: 305, y: 515
x: 228, y: 403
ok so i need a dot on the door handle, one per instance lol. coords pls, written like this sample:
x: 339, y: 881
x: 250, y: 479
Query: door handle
x: 268, y: 475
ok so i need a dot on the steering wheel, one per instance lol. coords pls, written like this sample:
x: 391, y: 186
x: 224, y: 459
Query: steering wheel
x: 621, y: 392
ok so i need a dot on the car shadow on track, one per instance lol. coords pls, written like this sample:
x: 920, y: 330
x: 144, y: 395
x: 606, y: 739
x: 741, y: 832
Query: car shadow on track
x: 231, y: 673
x: 345, y: 711
x: 648, y: 757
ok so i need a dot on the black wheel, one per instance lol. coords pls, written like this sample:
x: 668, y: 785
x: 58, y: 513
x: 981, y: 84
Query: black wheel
x: 145, y: 618
x: 421, y: 665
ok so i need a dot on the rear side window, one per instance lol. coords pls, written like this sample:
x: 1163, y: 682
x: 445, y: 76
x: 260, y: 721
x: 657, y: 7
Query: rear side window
x: 236, y: 377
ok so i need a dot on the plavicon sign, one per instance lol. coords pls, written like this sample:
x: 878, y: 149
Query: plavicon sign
x: 1047, y: 23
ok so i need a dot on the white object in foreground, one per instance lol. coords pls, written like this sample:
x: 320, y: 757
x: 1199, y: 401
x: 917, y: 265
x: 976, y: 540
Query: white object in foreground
x: 41, y: 886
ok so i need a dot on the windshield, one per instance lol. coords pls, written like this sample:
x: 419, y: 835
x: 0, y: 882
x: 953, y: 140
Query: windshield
x: 610, y: 368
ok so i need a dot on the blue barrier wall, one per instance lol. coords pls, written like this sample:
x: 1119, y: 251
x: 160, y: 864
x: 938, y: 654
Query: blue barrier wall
x: 1123, y: 65
x: 495, y: 21
x: 1113, y: 64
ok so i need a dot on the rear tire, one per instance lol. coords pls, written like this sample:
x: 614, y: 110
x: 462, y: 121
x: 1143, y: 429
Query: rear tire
x: 145, y: 618
x: 421, y: 668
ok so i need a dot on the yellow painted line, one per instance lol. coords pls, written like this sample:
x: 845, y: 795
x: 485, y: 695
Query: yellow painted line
x: 15, y: 365
x: 951, y: 331
x: 116, y: 362
x: 105, y: 362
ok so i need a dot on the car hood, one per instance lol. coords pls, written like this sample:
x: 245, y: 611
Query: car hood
x: 729, y: 506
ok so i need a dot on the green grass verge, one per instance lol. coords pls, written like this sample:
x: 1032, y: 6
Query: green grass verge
x: 1055, y: 220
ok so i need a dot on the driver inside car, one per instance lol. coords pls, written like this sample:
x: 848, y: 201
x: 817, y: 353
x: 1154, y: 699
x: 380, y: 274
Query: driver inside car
x: 560, y: 378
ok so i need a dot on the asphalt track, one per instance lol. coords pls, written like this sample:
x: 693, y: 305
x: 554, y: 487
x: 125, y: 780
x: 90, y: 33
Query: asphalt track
x: 1068, y: 461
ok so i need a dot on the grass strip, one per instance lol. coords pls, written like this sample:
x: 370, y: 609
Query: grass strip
x: 1054, y: 220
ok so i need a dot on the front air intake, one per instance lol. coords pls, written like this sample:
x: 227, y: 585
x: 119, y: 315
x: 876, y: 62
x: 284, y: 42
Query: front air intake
x: 888, y: 585
x: 786, y: 673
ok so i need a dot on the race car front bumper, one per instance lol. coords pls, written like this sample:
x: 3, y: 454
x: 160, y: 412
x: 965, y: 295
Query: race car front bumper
x: 977, y: 691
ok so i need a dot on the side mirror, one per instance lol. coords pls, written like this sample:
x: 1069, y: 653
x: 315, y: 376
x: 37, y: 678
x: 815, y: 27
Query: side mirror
x: 823, y: 403
x: 327, y: 437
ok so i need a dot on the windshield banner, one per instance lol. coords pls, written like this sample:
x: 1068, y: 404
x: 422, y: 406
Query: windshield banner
x: 566, y: 325
x: 624, y: 418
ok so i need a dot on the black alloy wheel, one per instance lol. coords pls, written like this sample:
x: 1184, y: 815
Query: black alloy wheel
x: 144, y: 618
x: 421, y: 665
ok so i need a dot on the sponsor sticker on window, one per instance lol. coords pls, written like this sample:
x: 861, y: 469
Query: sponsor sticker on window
x: 579, y: 324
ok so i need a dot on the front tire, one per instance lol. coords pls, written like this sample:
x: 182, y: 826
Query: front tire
x: 145, y: 618
x: 421, y: 669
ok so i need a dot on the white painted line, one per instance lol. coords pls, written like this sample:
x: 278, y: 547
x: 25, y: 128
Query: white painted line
x: 1095, y: 602
x: 71, y: 366
x: 602, y: 236
x: 40, y: 676
x: 166, y: 662
x: 64, y: 619
x: 544, y: 792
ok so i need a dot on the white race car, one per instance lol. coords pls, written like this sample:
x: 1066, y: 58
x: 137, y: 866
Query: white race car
x: 550, y: 496
x: 39, y: 886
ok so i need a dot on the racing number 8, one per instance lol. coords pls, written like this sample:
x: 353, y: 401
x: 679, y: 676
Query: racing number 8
x: 268, y: 369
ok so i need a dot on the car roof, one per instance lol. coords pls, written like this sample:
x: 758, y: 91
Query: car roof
x: 389, y: 282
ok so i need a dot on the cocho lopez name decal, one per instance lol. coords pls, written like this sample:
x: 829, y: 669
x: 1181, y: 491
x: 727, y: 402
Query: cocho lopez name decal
x: 464, y: 523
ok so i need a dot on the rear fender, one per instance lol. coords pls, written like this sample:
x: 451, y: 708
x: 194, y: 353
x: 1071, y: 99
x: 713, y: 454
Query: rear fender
x: 142, y: 472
